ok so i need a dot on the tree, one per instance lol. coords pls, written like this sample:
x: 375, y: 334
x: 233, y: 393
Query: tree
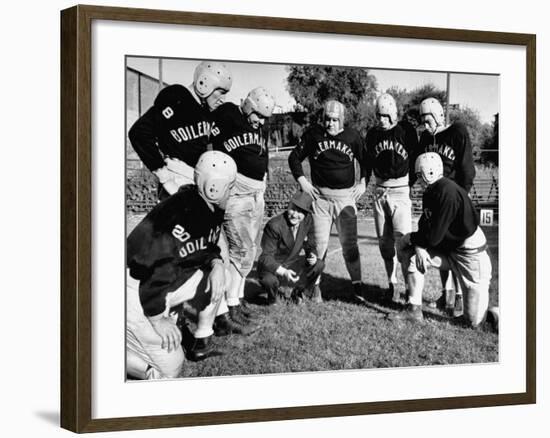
x: 311, y: 86
x: 408, y: 102
x: 470, y: 119
x: 489, y: 141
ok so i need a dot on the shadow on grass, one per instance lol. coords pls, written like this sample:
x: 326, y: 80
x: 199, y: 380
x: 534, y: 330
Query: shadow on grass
x: 332, y: 289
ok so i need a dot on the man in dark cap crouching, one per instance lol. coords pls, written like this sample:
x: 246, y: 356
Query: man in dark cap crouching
x: 288, y: 253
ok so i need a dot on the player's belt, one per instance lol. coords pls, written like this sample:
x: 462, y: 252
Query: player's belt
x: 248, y: 186
x: 393, y: 183
x: 471, y: 251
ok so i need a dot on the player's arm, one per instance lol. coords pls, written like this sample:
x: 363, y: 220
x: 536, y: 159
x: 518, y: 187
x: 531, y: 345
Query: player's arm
x: 144, y: 140
x: 466, y: 171
x: 416, y: 150
x: 359, y: 152
x: 295, y: 158
x: 298, y: 154
x: 412, y: 146
x: 140, y: 251
x: 367, y: 163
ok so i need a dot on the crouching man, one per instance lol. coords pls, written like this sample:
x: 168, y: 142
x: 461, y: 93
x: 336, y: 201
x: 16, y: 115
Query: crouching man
x: 448, y: 238
x: 281, y: 261
x: 172, y: 257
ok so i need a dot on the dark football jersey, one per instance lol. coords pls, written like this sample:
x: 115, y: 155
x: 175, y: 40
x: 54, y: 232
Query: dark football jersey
x: 177, y: 237
x: 454, y: 147
x: 448, y: 218
x: 234, y: 136
x: 389, y: 152
x: 332, y: 158
x: 176, y: 126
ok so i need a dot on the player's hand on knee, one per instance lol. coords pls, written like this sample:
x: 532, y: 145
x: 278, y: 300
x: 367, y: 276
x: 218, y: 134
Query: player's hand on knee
x: 308, y: 188
x: 168, y: 332
x: 422, y: 259
x: 216, y: 281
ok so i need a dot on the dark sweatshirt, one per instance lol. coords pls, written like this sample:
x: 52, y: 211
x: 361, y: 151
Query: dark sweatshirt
x: 449, y: 217
x: 332, y: 158
x: 389, y: 152
x: 454, y: 147
x: 234, y: 136
x: 169, y: 245
x: 176, y: 126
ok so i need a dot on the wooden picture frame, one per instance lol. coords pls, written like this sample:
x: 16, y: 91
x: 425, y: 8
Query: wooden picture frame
x: 76, y: 217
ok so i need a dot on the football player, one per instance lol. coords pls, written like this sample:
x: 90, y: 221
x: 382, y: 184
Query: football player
x: 452, y: 143
x: 240, y: 133
x: 171, y: 135
x: 334, y: 153
x: 448, y: 237
x: 172, y: 257
x: 389, y: 147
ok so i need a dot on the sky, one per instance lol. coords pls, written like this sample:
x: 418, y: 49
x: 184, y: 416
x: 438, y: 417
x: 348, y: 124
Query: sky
x: 477, y: 91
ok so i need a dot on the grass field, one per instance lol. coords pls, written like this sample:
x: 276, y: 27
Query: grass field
x: 341, y: 333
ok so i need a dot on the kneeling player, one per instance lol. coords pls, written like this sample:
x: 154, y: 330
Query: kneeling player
x: 448, y: 237
x: 172, y: 257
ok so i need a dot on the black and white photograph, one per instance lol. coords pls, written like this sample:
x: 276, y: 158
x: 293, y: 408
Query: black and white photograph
x: 292, y: 218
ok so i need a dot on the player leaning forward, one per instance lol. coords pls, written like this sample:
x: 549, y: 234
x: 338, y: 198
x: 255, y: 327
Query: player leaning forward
x: 448, y: 237
x: 240, y: 134
x: 334, y: 153
x: 171, y: 135
x: 389, y: 147
x: 172, y: 257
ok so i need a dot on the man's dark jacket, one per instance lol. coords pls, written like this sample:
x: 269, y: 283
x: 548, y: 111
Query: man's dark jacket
x: 279, y: 246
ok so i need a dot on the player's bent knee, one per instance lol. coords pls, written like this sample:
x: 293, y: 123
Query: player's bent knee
x: 171, y: 366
